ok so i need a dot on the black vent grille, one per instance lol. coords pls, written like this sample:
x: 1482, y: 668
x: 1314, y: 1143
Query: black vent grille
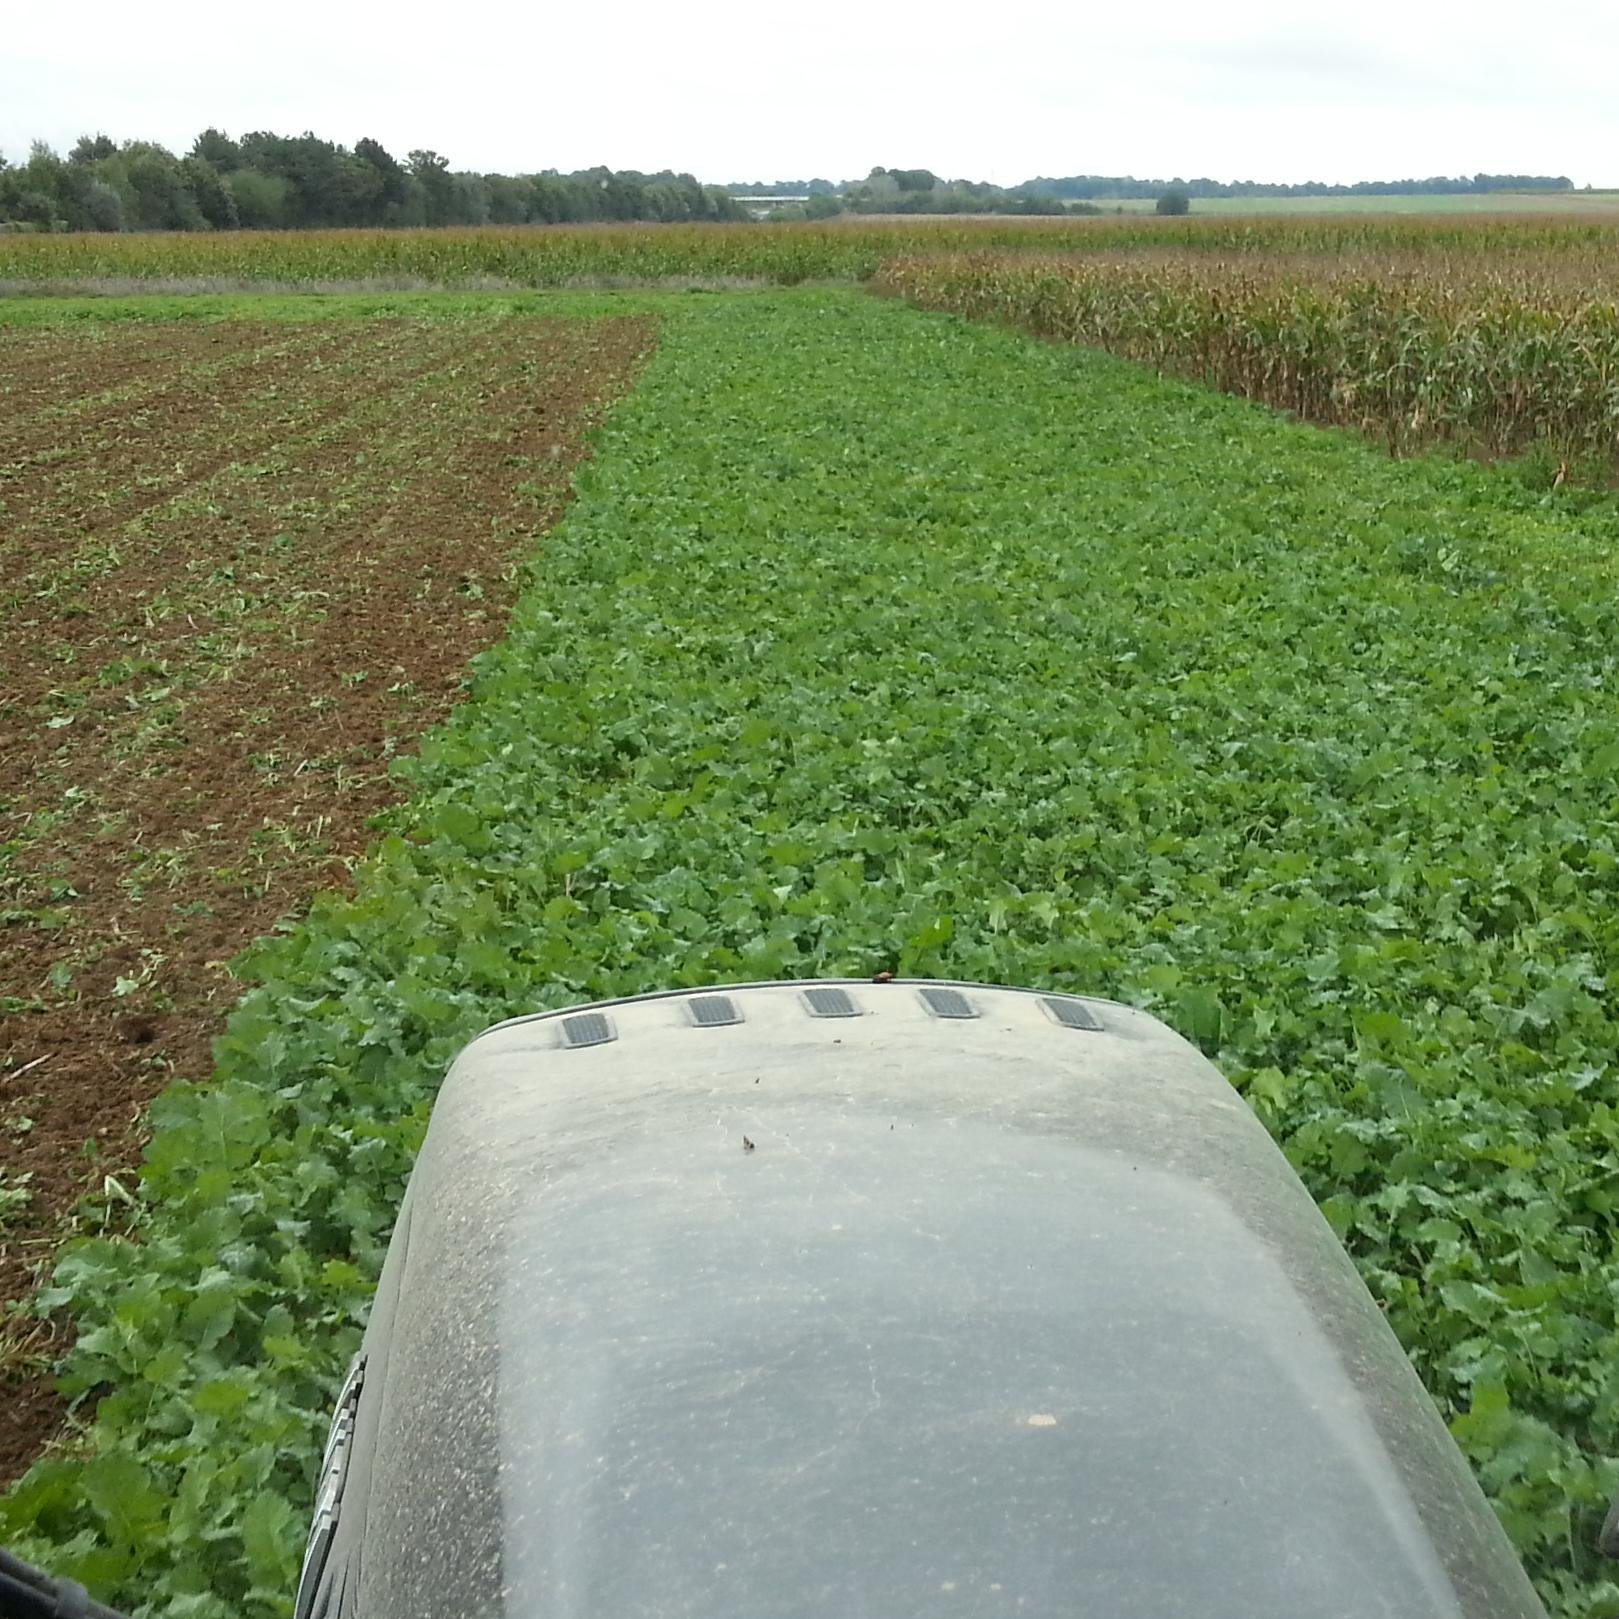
x: 713, y: 1011
x: 947, y: 1002
x: 1071, y: 1014
x: 827, y: 1000
x: 587, y: 1029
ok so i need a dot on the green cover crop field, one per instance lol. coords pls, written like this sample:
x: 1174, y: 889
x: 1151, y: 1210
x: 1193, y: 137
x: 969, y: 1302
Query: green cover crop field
x: 877, y: 640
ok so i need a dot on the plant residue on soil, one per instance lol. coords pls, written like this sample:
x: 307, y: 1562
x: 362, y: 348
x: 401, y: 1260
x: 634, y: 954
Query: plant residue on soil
x: 242, y: 566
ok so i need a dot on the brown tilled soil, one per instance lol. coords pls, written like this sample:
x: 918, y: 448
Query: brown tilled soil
x: 241, y: 567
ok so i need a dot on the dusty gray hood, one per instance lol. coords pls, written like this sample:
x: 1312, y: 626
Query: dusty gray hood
x: 783, y: 1316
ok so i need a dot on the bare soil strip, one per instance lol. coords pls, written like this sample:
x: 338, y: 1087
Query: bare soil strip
x: 71, y: 511
x: 112, y: 382
x: 130, y: 443
x: 198, y: 741
x: 62, y: 369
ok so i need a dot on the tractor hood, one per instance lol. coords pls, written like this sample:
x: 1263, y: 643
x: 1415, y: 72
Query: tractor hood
x: 881, y: 1300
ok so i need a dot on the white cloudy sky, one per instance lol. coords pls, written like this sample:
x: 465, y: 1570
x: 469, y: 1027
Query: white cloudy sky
x: 752, y: 89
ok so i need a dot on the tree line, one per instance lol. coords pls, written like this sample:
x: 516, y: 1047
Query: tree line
x: 902, y: 191
x: 1096, y: 187
x: 265, y: 181
x: 920, y: 191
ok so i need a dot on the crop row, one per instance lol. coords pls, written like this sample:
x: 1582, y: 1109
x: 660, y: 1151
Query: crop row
x: 1490, y: 361
x: 785, y: 254
x: 880, y: 641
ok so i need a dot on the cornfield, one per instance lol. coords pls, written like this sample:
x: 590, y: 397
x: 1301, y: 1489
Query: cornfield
x: 545, y: 256
x: 1494, y: 356
x: 851, y: 249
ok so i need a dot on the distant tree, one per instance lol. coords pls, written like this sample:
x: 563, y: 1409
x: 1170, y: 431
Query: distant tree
x: 621, y: 197
x: 822, y: 205
x: 76, y: 191
x: 27, y: 194
x: 156, y: 194
x: 319, y: 191
x: 214, y: 200
x: 216, y: 147
x: 469, y: 204
x: 10, y: 188
x: 1174, y: 202
x: 103, y: 207
x: 700, y: 201
x: 723, y: 206
x: 356, y: 192
x: 879, y: 191
x: 42, y: 156
x: 432, y: 174
x: 32, y: 207
x: 48, y: 190
x: 263, y: 201
x: 394, y: 183
x: 507, y: 198
x: 92, y: 149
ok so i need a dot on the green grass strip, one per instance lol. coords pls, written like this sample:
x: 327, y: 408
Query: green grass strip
x: 876, y: 640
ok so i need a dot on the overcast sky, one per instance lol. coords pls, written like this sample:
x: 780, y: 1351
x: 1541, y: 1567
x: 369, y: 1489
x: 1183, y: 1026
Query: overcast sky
x: 742, y: 90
